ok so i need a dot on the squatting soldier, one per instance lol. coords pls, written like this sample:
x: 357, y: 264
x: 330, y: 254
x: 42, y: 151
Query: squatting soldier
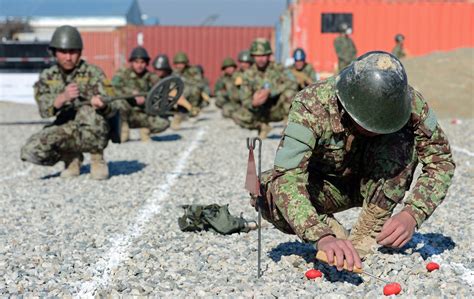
x: 133, y: 80
x: 303, y: 72
x: 77, y: 129
x: 266, y: 91
x: 399, y: 51
x: 345, y: 49
x: 244, y: 62
x: 162, y: 67
x: 205, y: 87
x: 355, y: 140
x: 226, y: 91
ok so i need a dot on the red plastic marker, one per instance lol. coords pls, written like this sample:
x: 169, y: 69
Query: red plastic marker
x: 431, y: 266
x: 392, y: 289
x: 313, y: 274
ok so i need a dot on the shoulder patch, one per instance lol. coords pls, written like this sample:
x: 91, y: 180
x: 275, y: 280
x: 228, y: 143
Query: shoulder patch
x: 431, y: 121
x: 291, y: 153
x: 300, y: 133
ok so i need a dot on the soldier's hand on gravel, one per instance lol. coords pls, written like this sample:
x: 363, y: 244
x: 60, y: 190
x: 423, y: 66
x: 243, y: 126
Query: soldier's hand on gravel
x: 397, y: 231
x: 343, y: 250
x: 71, y: 92
x: 97, y: 102
x: 140, y: 100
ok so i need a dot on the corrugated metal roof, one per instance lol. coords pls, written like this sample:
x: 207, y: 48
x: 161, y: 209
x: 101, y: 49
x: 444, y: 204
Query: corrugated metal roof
x: 62, y: 8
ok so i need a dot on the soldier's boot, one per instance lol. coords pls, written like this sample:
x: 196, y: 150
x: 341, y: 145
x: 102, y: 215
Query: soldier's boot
x: 99, y: 168
x: 177, y: 120
x: 72, y: 165
x: 124, y: 132
x: 338, y: 229
x: 145, y: 134
x: 263, y: 130
x: 368, y: 226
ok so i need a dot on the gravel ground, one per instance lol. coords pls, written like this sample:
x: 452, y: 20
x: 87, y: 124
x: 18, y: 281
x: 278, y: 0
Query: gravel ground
x: 120, y: 237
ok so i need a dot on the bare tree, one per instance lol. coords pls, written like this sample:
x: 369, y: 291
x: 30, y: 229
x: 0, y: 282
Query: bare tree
x: 9, y: 27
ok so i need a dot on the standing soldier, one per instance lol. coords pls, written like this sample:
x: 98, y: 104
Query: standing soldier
x: 354, y: 141
x: 345, y: 49
x: 78, y: 128
x: 303, y: 72
x: 137, y: 79
x: 399, y: 50
x: 266, y: 91
x: 225, y: 89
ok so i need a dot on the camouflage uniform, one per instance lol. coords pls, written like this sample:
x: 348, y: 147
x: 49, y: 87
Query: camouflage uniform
x: 323, y: 166
x: 282, y: 86
x: 126, y: 82
x: 306, y: 76
x: 227, y: 94
x: 75, y: 130
x: 398, y: 51
x: 194, y: 85
x: 345, y: 50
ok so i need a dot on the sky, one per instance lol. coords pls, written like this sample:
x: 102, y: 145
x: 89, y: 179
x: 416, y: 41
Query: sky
x: 214, y: 12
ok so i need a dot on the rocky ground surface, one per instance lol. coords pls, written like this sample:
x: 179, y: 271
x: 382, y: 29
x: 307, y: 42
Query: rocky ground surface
x: 83, y: 237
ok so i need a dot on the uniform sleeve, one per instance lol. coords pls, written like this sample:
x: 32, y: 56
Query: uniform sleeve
x: 220, y: 92
x: 290, y: 175
x: 286, y: 81
x: 434, y: 154
x: 44, y: 98
x: 246, y: 92
x: 119, y: 84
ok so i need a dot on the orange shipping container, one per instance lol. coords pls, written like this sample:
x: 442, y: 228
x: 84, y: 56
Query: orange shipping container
x: 206, y: 46
x: 427, y: 25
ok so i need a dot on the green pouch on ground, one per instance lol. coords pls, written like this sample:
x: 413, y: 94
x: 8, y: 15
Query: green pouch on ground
x: 211, y: 217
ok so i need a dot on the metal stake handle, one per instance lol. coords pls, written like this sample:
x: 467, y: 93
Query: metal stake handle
x: 251, y: 144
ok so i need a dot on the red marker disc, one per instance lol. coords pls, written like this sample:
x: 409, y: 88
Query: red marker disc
x: 431, y: 266
x: 392, y: 289
x: 313, y: 274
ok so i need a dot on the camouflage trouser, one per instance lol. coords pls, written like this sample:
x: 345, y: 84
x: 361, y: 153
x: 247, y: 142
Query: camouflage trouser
x: 228, y: 109
x: 192, y: 93
x: 88, y: 132
x: 137, y: 118
x: 274, y: 110
x: 381, y: 173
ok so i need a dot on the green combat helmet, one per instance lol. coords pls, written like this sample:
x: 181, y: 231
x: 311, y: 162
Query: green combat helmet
x: 67, y: 38
x: 139, y: 53
x: 181, y: 57
x: 374, y: 91
x: 244, y: 56
x: 228, y: 62
x: 162, y: 62
x: 260, y: 46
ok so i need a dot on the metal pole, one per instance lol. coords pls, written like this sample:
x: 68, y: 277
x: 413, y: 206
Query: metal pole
x: 259, y: 203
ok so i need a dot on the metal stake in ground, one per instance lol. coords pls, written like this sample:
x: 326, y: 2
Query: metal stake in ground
x: 252, y: 184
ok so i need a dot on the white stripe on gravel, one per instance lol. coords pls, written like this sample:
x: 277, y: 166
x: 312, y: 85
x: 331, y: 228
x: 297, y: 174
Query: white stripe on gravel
x: 121, y: 244
x: 17, y: 174
x: 463, y: 150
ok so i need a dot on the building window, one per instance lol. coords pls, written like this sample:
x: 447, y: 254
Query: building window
x: 330, y: 22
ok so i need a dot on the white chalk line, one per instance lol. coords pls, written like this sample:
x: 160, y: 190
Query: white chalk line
x: 463, y: 150
x: 17, y: 174
x: 120, y: 245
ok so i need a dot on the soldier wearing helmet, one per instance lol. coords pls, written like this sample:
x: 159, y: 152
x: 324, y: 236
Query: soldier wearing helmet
x: 266, y: 91
x: 345, y: 48
x: 162, y: 67
x: 194, y: 85
x: 303, y: 71
x: 71, y: 91
x: 245, y: 60
x: 225, y: 91
x: 136, y: 79
x: 354, y: 140
x: 399, y: 50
